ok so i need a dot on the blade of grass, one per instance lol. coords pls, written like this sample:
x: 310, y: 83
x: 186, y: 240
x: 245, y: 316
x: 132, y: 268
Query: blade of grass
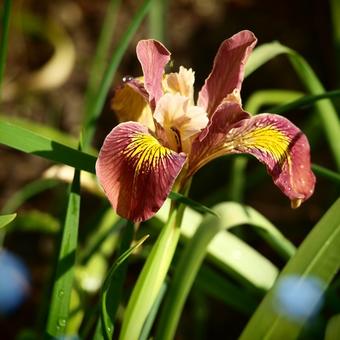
x: 270, y: 97
x: 6, y: 12
x: 326, y: 173
x: 63, y: 282
x: 237, y: 180
x: 29, y: 142
x: 190, y: 203
x: 230, y: 214
x: 319, y: 257
x: 36, y: 221
x: 152, y: 276
x: 93, y: 110
x: 41, y: 129
x: 29, y: 190
x: 326, y: 110
x: 6, y: 219
x: 333, y: 328
x: 304, y: 101
x: 111, y: 224
x: 222, y: 289
x: 100, y: 59
x: 229, y: 253
x: 335, y: 13
x: 145, y: 334
x: 111, y: 284
x: 157, y: 20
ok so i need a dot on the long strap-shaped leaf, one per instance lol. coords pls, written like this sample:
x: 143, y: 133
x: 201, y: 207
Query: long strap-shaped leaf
x: 6, y: 219
x: 228, y: 215
x: 7, y: 5
x: 328, y: 115
x: 318, y: 256
x: 97, y: 105
x: 61, y: 294
x: 29, y: 142
x: 107, y: 316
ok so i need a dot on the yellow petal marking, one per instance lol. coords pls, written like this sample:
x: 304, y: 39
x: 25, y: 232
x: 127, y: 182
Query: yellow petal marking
x: 145, y: 152
x: 267, y: 139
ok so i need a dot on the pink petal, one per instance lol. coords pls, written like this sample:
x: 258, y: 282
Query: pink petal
x: 283, y: 148
x: 136, y: 171
x: 228, y: 70
x: 153, y: 57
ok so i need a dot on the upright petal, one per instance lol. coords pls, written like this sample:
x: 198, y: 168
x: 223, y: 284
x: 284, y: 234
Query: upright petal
x: 130, y: 104
x: 136, y: 171
x: 282, y: 147
x: 181, y: 82
x: 228, y: 70
x: 153, y: 57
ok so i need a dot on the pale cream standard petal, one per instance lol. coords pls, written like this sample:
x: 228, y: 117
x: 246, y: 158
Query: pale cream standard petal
x: 181, y: 82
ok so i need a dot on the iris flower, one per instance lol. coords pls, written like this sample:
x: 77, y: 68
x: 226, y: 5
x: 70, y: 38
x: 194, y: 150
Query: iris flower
x: 166, y: 136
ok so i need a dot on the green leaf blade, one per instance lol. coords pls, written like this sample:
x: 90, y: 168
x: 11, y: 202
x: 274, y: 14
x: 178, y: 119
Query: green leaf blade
x: 319, y: 257
x: 29, y: 142
x: 6, y: 219
x: 63, y: 283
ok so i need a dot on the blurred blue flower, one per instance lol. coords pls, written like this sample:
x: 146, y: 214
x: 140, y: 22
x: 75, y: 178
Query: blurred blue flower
x: 14, y: 282
x: 298, y: 298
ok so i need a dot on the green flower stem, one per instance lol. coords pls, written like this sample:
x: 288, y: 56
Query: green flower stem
x: 185, y: 274
x: 152, y: 276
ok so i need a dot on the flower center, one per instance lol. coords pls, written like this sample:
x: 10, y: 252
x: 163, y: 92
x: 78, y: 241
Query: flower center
x: 180, y: 121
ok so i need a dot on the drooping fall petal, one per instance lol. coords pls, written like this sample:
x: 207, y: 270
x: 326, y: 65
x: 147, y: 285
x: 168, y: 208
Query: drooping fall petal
x: 153, y: 57
x: 228, y: 70
x: 282, y: 147
x: 136, y: 171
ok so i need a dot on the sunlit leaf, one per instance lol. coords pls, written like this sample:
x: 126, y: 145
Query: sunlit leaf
x: 333, y: 328
x: 6, y: 219
x: 317, y: 257
x: 327, y: 112
x: 203, y: 240
x: 110, y: 277
x: 24, y: 140
x: 63, y: 281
